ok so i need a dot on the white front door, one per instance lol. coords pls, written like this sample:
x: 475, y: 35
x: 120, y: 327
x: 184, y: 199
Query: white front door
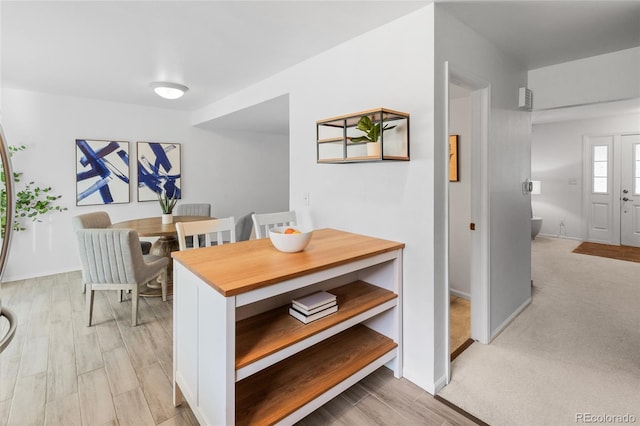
x: 630, y: 190
x: 601, y: 205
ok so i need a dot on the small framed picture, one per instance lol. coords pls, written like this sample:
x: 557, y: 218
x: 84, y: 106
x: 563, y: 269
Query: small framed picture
x: 453, y: 158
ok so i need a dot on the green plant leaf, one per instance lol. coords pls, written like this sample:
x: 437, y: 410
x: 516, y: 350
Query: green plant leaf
x: 374, y: 134
x: 31, y: 203
x: 359, y: 139
x: 364, y: 124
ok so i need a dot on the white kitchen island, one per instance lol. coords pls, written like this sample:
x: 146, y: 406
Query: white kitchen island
x: 240, y: 358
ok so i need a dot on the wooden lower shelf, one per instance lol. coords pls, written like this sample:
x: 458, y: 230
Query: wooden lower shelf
x: 278, y: 391
x: 363, y: 158
x: 264, y: 334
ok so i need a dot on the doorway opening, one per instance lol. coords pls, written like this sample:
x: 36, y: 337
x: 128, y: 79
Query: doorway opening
x: 459, y: 219
x: 473, y: 160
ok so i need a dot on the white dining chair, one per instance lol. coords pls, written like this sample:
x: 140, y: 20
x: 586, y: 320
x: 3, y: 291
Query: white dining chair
x: 265, y: 221
x: 223, y: 230
x: 194, y: 209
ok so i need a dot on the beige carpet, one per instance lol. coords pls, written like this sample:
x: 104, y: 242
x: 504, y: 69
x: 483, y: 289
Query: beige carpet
x: 575, y: 349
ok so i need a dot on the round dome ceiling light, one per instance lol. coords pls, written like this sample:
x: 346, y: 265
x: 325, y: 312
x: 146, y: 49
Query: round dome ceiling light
x: 169, y: 90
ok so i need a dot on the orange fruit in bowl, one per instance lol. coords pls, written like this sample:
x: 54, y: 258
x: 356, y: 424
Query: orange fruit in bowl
x: 289, y: 239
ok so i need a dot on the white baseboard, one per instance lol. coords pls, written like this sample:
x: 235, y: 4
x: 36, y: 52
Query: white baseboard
x: 8, y: 278
x: 439, y: 384
x: 564, y: 237
x: 511, y: 318
x: 460, y: 294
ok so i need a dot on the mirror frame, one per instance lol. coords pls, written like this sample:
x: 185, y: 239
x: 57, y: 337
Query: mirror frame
x: 5, y: 157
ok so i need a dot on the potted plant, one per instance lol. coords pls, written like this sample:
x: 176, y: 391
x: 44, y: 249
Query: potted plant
x: 372, y: 134
x: 167, y: 203
x: 31, y: 202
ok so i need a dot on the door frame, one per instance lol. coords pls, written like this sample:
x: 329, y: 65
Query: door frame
x: 628, y: 173
x: 480, y: 238
x: 616, y: 175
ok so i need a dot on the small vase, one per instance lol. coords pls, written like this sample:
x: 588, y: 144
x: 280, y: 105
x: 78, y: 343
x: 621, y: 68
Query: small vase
x: 167, y: 218
x: 373, y: 149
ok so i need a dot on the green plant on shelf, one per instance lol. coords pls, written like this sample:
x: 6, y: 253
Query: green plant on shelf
x: 32, y: 201
x: 371, y: 130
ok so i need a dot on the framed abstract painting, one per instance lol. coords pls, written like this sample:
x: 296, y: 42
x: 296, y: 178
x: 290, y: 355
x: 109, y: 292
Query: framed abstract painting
x: 158, y: 170
x: 102, y: 172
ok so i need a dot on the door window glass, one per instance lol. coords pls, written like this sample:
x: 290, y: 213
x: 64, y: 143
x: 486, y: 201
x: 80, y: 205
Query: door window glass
x: 600, y: 168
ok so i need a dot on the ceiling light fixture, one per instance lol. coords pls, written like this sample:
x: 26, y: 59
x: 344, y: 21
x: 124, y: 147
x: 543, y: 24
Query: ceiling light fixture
x: 169, y: 90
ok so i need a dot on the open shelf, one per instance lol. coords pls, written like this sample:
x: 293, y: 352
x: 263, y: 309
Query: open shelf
x: 340, y: 140
x: 241, y: 358
x: 267, y: 333
x: 278, y: 391
x: 361, y: 158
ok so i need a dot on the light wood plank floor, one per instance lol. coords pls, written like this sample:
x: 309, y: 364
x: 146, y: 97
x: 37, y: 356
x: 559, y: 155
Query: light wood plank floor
x: 57, y: 371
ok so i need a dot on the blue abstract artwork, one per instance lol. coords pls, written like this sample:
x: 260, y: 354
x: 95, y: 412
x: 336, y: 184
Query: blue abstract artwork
x: 102, y: 172
x: 158, y: 170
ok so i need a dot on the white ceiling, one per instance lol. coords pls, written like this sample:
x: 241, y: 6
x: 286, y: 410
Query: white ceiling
x: 541, y: 33
x: 112, y: 50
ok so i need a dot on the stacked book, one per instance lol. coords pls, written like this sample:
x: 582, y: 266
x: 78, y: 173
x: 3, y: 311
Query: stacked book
x: 314, y: 306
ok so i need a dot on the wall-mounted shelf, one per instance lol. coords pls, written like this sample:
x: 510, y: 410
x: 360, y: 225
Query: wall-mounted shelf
x: 335, y: 138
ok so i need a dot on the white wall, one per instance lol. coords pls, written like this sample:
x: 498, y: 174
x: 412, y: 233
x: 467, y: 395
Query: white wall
x: 460, y: 200
x: 602, y: 78
x: 556, y: 160
x: 406, y: 201
x: 217, y: 168
x: 509, y: 165
x: 392, y: 200
x: 245, y: 171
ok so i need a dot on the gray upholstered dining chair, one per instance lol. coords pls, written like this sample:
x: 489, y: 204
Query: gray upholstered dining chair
x: 221, y: 228
x: 265, y: 221
x: 112, y: 260
x: 244, y: 226
x: 100, y: 220
x: 194, y: 209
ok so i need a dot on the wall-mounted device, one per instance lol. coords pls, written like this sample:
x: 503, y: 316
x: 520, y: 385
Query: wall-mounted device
x: 525, y: 99
x: 532, y: 186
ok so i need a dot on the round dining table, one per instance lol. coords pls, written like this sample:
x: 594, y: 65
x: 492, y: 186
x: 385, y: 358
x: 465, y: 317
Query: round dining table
x: 166, y: 243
